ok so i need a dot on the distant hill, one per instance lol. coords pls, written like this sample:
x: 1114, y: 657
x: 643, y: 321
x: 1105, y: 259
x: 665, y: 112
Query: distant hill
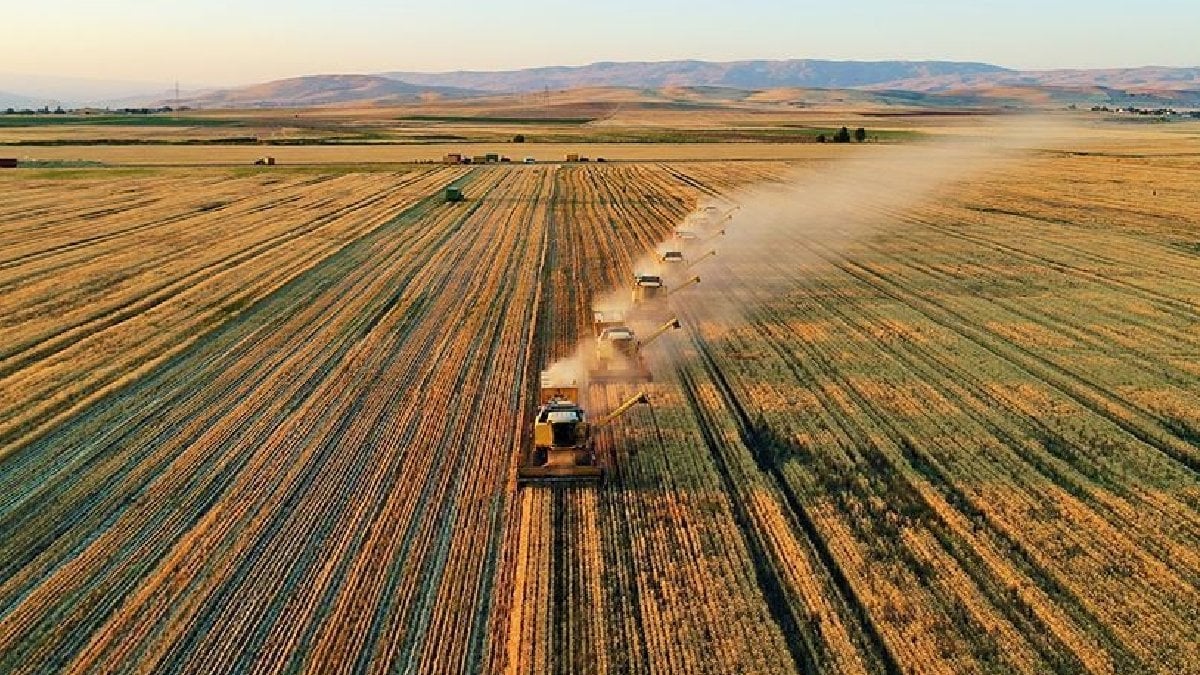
x: 750, y: 75
x: 73, y: 92
x: 18, y: 101
x: 1145, y: 79
x: 920, y: 83
x: 315, y: 90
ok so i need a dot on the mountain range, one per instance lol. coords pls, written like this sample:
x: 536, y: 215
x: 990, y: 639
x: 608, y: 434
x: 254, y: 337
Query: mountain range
x: 759, y: 74
x: 936, y: 82
x: 322, y: 90
x: 9, y: 100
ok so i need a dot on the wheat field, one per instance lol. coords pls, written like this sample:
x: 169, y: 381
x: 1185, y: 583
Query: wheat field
x: 268, y: 421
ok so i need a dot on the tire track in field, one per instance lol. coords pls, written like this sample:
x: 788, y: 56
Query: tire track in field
x: 817, y: 367
x: 1148, y: 431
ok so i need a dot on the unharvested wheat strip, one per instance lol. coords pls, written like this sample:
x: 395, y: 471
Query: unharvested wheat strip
x: 1013, y: 647
x: 802, y: 575
x: 1129, y: 551
x: 760, y: 507
x: 518, y: 617
x: 1083, y: 392
x: 969, y: 398
x: 908, y: 631
x: 1090, y: 654
x: 1045, y: 549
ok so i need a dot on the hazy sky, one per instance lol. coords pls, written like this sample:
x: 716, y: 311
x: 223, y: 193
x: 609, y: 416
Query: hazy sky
x: 242, y: 41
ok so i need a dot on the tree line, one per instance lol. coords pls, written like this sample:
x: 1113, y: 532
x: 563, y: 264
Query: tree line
x: 843, y: 135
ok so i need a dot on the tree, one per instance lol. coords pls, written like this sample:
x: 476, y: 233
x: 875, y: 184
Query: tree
x: 821, y: 138
x: 860, y: 134
x: 842, y: 135
x: 519, y: 138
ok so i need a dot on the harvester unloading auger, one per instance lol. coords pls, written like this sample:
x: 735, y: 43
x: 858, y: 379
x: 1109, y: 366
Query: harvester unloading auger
x: 618, y: 355
x: 562, y: 449
x: 701, y: 259
x: 680, y: 287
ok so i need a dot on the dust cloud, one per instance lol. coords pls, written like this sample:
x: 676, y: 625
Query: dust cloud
x: 831, y: 206
x: 770, y: 228
x: 567, y: 371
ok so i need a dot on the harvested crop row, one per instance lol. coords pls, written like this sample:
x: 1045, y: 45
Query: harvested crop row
x: 73, y: 355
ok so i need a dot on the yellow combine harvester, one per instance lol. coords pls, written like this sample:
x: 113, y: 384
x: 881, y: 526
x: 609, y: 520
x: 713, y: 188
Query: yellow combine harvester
x: 618, y: 355
x: 562, y: 449
x: 649, y: 289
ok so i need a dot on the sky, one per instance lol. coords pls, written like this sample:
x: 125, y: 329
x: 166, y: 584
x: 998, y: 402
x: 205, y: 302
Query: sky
x: 230, y: 42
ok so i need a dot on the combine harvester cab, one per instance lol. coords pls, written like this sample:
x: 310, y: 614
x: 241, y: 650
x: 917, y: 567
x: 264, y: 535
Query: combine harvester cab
x: 711, y: 216
x: 674, y: 264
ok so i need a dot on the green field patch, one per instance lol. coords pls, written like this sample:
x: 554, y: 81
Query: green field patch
x: 14, y: 121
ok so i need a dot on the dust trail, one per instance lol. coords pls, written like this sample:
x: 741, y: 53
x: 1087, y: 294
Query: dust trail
x: 836, y: 205
x: 569, y: 370
x: 832, y: 205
